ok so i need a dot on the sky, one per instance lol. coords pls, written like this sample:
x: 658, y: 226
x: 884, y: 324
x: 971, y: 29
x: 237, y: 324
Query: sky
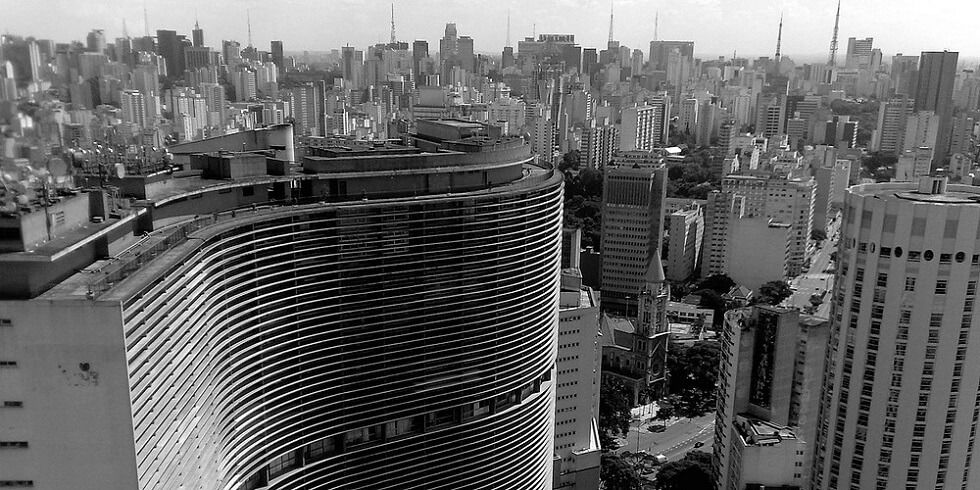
x: 718, y: 27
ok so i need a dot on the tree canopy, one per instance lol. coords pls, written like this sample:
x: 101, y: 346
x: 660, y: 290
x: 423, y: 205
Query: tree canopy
x: 773, y: 293
x: 616, y: 474
x: 615, y: 402
x: 693, y: 472
x: 692, y: 374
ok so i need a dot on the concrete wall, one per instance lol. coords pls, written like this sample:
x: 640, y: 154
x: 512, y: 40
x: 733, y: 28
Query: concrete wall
x: 72, y: 379
x: 756, y: 252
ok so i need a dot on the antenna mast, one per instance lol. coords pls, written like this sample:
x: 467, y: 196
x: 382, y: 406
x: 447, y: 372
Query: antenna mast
x: 656, y: 26
x: 392, y: 22
x: 508, y: 29
x: 779, y: 38
x: 248, y: 13
x: 833, y: 42
x: 146, y: 21
x: 610, y: 22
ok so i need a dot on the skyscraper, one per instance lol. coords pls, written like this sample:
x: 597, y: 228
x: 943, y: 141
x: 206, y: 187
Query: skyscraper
x: 170, y: 47
x: 644, y: 127
x: 95, y: 41
x: 277, y: 56
x: 420, y: 51
x: 901, y: 392
x: 634, y: 189
x: 198, y: 35
x: 858, y: 53
x: 768, y: 392
x: 367, y: 334
x: 934, y: 92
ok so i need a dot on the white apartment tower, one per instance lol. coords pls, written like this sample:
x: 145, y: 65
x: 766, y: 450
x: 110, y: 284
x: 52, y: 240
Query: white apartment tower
x: 579, y: 366
x: 644, y: 127
x: 901, y: 400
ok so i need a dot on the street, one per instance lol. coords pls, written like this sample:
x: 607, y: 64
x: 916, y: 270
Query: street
x: 678, y: 438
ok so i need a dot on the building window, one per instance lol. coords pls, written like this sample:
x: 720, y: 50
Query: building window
x: 8, y: 364
x: 20, y: 444
x: 282, y: 464
x: 910, y: 283
x: 13, y: 404
x: 940, y: 286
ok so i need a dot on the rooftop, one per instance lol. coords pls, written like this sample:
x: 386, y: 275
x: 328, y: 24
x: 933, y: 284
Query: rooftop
x: 758, y: 432
x: 931, y: 190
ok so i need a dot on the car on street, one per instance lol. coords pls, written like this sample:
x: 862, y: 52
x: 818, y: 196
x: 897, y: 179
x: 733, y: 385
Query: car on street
x: 698, y: 444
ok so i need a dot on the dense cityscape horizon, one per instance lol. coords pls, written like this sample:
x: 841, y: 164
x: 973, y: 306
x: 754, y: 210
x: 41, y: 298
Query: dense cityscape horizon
x: 581, y: 260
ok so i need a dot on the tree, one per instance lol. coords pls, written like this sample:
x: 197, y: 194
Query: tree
x: 693, y: 472
x: 818, y: 235
x: 692, y: 372
x: 616, y: 474
x: 569, y: 161
x: 615, y: 402
x: 773, y: 293
x: 719, y: 283
x: 665, y: 409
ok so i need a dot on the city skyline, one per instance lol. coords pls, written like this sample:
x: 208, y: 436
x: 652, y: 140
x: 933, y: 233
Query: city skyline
x: 716, y: 28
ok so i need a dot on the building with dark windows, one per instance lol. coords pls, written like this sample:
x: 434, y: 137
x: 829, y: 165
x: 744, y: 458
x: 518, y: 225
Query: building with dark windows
x: 376, y: 317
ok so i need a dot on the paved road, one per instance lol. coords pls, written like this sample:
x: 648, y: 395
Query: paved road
x: 679, y: 437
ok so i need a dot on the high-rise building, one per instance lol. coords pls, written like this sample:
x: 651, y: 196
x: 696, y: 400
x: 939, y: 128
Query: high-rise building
x: 231, y: 51
x: 904, y: 75
x: 893, y: 116
x: 170, y: 47
x: 352, y: 66
x: 599, y: 143
x: 769, y: 385
x: 660, y: 52
x: 634, y: 189
x: 685, y: 235
x: 133, y: 107
x: 542, y: 129
x: 901, y: 395
x: 420, y: 51
x: 305, y: 108
x: 351, y: 332
x: 644, y: 127
x: 771, y: 116
x: 934, y: 92
x: 579, y: 368
x: 95, y: 41
x: 197, y: 35
x: 858, y: 54
x: 275, y: 48
x: 785, y: 200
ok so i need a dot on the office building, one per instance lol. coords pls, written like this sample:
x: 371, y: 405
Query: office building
x: 578, y: 378
x: 634, y: 189
x: 934, y: 92
x: 900, y: 397
x: 95, y: 41
x: 197, y: 34
x: 277, y: 55
x: 170, y: 47
x: 542, y: 130
x: 787, y: 200
x: 893, y: 115
x: 859, y: 53
x: 769, y: 383
x: 660, y: 52
x: 352, y: 67
x: 913, y: 164
x: 921, y: 129
x: 420, y: 51
x: 685, y: 235
x: 366, y: 334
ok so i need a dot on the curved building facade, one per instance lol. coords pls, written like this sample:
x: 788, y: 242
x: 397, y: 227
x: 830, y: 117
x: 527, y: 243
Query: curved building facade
x: 361, y: 342
x: 902, y: 392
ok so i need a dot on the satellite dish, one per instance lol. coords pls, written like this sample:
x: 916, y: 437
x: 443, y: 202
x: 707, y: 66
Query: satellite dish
x: 120, y: 170
x: 58, y: 167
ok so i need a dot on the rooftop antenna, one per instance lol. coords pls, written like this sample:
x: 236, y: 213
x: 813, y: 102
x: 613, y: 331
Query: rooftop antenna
x: 248, y: 13
x: 125, y: 32
x: 392, y: 22
x: 656, y: 26
x: 508, y: 29
x: 833, y: 42
x: 610, y: 22
x: 146, y: 20
x: 779, y: 38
